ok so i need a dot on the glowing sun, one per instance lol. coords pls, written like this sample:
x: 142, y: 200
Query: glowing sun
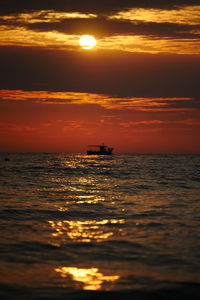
x: 87, y: 41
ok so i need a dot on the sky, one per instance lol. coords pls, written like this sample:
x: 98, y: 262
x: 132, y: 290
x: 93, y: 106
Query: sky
x: 137, y: 90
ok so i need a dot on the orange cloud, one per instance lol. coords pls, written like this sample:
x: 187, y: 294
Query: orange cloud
x: 21, y: 36
x: 14, y: 30
x: 45, y: 16
x: 189, y: 15
x: 160, y: 122
x: 105, y: 101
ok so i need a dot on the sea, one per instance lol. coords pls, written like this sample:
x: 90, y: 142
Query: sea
x: 77, y: 226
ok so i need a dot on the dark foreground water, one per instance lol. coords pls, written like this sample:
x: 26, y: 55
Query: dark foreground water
x: 78, y: 226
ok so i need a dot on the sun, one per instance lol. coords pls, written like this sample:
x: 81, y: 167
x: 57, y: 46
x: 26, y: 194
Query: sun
x: 87, y: 41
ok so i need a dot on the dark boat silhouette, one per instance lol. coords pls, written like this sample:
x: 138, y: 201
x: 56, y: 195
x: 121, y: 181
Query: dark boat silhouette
x: 99, y: 150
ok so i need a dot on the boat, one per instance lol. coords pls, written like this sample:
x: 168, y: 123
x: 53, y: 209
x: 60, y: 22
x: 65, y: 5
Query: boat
x: 99, y: 150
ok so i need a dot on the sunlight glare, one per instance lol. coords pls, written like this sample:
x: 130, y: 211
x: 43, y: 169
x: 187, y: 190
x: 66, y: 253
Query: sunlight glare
x: 87, y: 41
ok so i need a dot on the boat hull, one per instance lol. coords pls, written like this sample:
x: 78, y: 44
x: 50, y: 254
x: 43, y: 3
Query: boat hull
x: 98, y: 153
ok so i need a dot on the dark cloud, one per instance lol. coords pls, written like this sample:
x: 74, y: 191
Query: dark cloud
x: 192, y: 104
x: 101, y: 7
x: 104, y: 27
x: 108, y: 72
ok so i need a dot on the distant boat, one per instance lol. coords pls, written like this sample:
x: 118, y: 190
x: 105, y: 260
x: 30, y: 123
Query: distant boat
x: 99, y: 150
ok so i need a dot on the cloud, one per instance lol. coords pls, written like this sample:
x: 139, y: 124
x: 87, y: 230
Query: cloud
x: 43, y: 16
x: 105, y: 101
x: 152, y: 41
x: 102, y: 27
x: 132, y: 30
x: 135, y: 21
x: 100, y: 7
x: 184, y: 122
x: 188, y: 15
x: 21, y: 36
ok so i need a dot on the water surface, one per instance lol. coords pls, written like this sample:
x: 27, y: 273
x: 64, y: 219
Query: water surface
x: 76, y: 224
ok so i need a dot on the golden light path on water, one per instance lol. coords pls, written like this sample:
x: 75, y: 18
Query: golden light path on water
x: 84, y: 231
x: 90, y: 278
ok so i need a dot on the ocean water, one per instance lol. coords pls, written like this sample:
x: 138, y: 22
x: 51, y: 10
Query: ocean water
x: 76, y: 226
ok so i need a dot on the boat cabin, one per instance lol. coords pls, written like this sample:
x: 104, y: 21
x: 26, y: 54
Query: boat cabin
x: 99, y: 150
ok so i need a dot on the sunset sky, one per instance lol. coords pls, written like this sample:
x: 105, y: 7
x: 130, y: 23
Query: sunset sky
x: 137, y: 90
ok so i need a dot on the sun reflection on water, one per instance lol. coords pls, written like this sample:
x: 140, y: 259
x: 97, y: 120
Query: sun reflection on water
x: 84, y: 231
x: 89, y: 199
x: 90, y: 278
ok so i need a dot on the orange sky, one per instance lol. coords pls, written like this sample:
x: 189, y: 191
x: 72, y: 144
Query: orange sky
x: 137, y: 90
